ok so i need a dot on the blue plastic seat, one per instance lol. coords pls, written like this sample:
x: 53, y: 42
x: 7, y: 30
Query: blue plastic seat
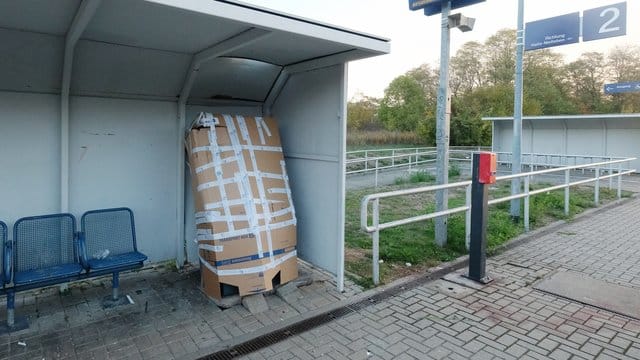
x: 44, y: 250
x: 49, y: 274
x: 109, y: 240
x: 117, y: 261
x: 5, y: 260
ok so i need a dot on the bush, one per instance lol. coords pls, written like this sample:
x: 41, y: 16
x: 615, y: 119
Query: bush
x: 383, y: 137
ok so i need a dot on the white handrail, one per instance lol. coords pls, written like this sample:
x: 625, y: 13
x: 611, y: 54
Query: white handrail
x: 376, y: 226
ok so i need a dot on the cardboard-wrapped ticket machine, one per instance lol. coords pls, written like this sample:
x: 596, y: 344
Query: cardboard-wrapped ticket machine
x: 245, y: 220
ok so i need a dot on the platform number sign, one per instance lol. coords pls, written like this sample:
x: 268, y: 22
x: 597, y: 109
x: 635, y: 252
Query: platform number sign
x: 598, y: 23
x: 604, y: 22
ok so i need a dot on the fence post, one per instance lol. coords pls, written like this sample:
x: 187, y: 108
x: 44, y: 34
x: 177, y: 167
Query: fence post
x: 393, y: 158
x: 376, y: 240
x: 610, y: 173
x: 467, y: 219
x: 376, y: 185
x: 567, y: 180
x: 526, y: 204
x: 619, y: 181
x: 597, y: 190
x: 366, y: 161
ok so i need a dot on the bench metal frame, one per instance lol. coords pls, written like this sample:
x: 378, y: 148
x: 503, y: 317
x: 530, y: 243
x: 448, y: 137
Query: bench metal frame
x: 79, y: 256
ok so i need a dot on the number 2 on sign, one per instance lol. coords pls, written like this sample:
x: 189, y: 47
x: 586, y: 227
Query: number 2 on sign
x: 615, y: 12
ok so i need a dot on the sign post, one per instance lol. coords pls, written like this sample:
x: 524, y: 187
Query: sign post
x: 516, y: 154
x: 443, y: 110
x: 443, y: 119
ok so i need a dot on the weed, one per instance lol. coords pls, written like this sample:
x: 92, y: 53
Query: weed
x: 383, y: 137
x: 415, y: 243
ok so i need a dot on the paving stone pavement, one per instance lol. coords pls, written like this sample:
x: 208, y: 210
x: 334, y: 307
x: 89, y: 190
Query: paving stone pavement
x: 170, y: 317
x: 506, y: 319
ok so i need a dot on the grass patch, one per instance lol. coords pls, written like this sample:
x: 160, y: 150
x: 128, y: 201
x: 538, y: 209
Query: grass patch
x: 382, y: 137
x: 416, y: 178
x: 414, y: 243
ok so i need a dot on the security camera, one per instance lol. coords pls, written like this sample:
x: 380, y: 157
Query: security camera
x: 461, y: 22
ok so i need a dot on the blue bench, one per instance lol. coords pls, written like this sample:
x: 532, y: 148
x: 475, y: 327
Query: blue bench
x: 5, y: 264
x: 47, y: 250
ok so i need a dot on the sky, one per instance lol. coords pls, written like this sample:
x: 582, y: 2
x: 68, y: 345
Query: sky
x: 415, y: 38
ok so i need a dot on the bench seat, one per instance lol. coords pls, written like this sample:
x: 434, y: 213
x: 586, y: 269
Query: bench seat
x: 47, y: 274
x: 116, y: 261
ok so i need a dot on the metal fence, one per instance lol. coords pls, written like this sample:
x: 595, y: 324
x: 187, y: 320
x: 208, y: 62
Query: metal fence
x: 612, y: 169
x: 378, y: 160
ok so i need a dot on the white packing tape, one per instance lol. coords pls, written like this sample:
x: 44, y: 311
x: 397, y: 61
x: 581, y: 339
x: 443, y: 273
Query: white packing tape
x: 214, y: 163
x: 260, y: 131
x: 242, y: 147
x: 206, y: 119
x: 210, y: 184
x: 260, y: 120
x: 213, y: 140
x: 244, y: 232
x: 277, y: 191
x: 245, y: 186
x: 251, y: 270
x: 260, y: 185
x: 214, y: 248
x: 285, y: 177
x: 221, y: 204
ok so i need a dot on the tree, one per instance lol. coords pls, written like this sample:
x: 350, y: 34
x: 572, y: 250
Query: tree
x: 467, y: 69
x: 404, y: 105
x: 624, y: 65
x: 362, y: 113
x: 587, y: 77
x: 499, y: 55
x: 545, y: 88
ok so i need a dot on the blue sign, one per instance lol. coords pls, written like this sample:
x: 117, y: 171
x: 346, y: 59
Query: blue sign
x: 605, y: 22
x: 432, y: 7
x: 625, y: 87
x: 555, y: 31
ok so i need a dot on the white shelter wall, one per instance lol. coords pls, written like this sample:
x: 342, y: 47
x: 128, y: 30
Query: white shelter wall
x: 122, y: 153
x: 310, y: 110
x: 29, y: 155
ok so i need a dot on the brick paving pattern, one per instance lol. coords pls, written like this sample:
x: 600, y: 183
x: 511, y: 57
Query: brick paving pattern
x: 171, y: 318
x: 507, y: 319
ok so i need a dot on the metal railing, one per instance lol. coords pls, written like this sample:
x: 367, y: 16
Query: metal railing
x: 378, y: 159
x: 598, y: 167
x: 365, y: 161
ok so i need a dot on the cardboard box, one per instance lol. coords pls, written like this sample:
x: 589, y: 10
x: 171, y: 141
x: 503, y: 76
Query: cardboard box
x: 245, y: 219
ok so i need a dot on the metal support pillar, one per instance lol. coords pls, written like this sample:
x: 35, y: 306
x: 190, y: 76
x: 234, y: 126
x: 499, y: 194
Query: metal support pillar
x: 13, y: 323
x: 115, y: 288
x: 517, y: 114
x: 479, y: 213
x: 442, y: 127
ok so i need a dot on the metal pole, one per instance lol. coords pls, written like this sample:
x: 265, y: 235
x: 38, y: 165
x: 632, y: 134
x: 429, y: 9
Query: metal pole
x: 567, y: 180
x: 610, y: 172
x: 376, y: 172
x: 467, y: 218
x: 442, y: 127
x: 517, y: 113
x: 597, y: 190
x: 376, y: 240
x: 479, y: 215
x: 619, y: 181
x: 526, y: 204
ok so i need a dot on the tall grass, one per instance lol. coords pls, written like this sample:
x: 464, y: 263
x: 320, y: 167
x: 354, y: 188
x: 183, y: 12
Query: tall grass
x: 383, y: 137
